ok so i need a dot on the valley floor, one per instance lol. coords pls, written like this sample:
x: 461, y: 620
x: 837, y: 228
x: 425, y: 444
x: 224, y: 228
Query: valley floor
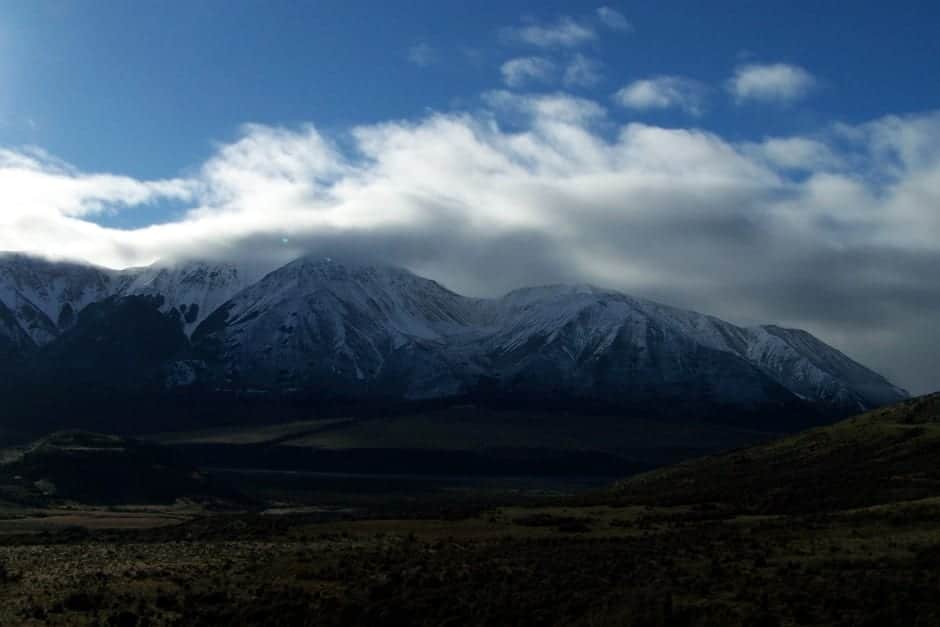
x: 555, y: 562
x: 838, y: 526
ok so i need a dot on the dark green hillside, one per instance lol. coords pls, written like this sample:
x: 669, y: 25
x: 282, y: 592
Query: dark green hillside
x: 884, y: 456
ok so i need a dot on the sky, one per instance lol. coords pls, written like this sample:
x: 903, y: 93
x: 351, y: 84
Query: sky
x: 763, y: 162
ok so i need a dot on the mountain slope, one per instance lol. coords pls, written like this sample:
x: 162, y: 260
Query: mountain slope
x: 368, y: 330
x: 320, y: 329
x: 14, y: 341
x: 601, y: 344
x: 883, y: 456
x: 46, y: 296
x: 120, y: 342
x: 190, y: 290
x: 359, y: 329
x: 812, y: 369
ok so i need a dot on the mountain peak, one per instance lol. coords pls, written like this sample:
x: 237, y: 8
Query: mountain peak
x: 559, y: 291
x: 191, y: 289
x: 45, y: 295
x: 335, y: 268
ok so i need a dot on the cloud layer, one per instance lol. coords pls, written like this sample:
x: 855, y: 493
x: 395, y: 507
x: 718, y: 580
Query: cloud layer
x: 836, y: 233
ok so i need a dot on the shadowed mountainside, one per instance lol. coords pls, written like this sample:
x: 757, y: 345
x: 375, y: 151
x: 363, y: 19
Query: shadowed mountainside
x: 87, y: 347
x: 884, y: 456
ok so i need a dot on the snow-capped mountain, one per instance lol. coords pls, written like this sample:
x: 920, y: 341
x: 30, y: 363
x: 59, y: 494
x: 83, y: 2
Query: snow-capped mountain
x: 814, y: 370
x: 44, y: 296
x: 604, y: 344
x: 319, y: 327
x: 316, y: 322
x: 586, y: 327
x: 368, y: 329
x: 191, y: 290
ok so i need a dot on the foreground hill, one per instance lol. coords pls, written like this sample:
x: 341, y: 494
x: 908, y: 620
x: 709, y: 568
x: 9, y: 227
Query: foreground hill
x: 883, y: 456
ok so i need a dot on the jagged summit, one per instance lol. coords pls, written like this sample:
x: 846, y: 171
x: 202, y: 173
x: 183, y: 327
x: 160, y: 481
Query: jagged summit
x: 190, y: 289
x: 45, y: 296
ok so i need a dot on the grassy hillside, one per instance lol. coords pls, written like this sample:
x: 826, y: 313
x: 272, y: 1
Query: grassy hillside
x: 78, y: 466
x: 884, y: 456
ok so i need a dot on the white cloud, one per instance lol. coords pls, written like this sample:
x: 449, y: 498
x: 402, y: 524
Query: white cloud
x: 614, y: 19
x: 565, y: 32
x: 582, y: 71
x: 558, y: 107
x: 798, y: 153
x: 35, y: 184
x: 835, y: 232
x: 522, y: 70
x: 777, y: 82
x: 422, y: 55
x: 663, y: 92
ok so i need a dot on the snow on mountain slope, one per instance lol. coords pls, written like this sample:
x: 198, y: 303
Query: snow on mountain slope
x: 319, y: 325
x: 193, y: 290
x: 815, y: 370
x: 45, y: 296
x: 316, y: 320
x: 604, y: 344
x: 591, y: 320
x: 599, y: 315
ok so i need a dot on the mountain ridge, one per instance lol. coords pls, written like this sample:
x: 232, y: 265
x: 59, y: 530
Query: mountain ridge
x: 319, y: 326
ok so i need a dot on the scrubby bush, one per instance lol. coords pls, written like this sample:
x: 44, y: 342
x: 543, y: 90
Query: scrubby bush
x: 6, y: 575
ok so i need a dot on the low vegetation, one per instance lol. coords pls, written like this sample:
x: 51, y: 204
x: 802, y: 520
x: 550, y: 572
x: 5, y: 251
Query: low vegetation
x: 543, y: 565
x: 836, y: 526
x: 881, y: 457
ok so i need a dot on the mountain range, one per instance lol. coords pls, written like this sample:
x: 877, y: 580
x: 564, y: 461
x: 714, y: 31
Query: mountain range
x: 322, y: 330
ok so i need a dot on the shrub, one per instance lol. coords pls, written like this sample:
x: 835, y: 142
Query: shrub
x: 6, y: 575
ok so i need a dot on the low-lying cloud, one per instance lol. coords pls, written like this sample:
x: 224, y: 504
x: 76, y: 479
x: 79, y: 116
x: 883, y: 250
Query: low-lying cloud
x: 836, y: 233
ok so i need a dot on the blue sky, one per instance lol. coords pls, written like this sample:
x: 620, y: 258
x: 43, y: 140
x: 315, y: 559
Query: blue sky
x: 146, y: 88
x: 773, y: 162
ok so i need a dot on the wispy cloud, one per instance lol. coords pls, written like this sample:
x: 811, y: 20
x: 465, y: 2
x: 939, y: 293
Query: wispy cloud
x: 614, y: 19
x: 36, y: 185
x: 565, y: 32
x: 522, y: 70
x: 776, y: 82
x: 582, y: 71
x: 422, y: 55
x: 663, y: 92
